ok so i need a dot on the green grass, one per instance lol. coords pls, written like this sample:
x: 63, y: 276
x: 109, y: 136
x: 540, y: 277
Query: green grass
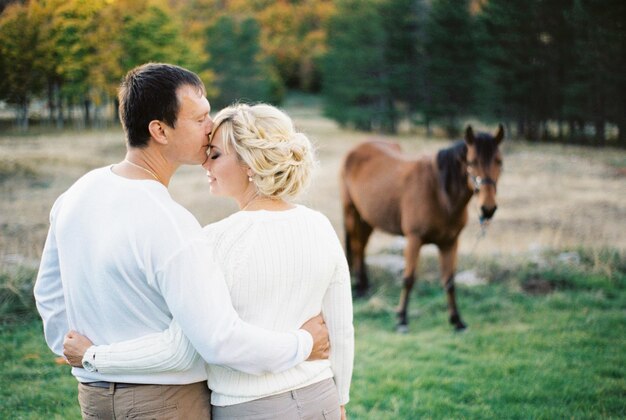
x: 561, y: 354
x: 32, y: 385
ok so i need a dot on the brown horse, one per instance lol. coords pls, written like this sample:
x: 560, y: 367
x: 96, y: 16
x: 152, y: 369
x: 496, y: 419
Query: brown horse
x: 423, y: 199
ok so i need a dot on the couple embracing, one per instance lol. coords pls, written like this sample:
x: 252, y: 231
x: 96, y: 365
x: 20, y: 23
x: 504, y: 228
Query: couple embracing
x: 147, y: 305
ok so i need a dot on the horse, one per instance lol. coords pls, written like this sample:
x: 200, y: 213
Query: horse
x: 424, y: 199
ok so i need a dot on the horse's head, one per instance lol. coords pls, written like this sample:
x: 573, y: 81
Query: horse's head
x: 484, y: 163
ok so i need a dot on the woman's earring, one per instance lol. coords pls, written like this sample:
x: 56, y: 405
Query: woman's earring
x: 249, y: 179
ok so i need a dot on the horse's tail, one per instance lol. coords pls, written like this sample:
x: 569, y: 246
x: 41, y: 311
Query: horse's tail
x: 347, y: 245
x: 347, y: 208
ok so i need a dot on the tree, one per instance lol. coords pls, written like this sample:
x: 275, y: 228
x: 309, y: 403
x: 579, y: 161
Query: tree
x: 293, y: 34
x: 557, y: 57
x: 153, y: 34
x: 598, y: 82
x: 241, y: 71
x: 73, y: 49
x: 22, y: 78
x: 507, y: 54
x: 353, y: 85
x: 372, y: 73
x: 404, y: 56
x: 451, y: 63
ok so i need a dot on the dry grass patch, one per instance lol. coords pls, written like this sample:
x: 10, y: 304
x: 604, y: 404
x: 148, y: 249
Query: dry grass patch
x: 549, y: 196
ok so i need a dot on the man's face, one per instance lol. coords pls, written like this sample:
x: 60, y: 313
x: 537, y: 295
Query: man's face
x: 189, y: 141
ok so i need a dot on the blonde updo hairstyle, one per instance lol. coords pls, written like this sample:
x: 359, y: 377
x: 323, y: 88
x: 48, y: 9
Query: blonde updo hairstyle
x: 264, y: 138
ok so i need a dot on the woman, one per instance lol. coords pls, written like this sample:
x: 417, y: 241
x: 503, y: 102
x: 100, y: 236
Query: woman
x: 283, y: 264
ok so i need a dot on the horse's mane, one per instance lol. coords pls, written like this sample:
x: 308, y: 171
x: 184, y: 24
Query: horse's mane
x: 451, y: 178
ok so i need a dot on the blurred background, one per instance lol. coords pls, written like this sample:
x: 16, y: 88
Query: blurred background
x: 543, y: 291
x: 550, y: 70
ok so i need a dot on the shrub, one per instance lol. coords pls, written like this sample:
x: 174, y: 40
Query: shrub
x: 16, y: 293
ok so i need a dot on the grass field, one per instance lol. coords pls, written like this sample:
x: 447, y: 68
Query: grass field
x: 556, y: 354
x: 547, y: 332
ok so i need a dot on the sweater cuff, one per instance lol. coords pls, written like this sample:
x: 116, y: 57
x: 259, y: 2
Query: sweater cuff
x: 305, y: 344
x: 89, y: 360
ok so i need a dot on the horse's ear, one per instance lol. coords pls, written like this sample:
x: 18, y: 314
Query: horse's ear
x: 499, y: 134
x: 469, y: 135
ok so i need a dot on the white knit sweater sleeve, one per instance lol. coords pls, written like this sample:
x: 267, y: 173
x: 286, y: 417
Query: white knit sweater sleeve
x: 337, y: 311
x: 166, y: 351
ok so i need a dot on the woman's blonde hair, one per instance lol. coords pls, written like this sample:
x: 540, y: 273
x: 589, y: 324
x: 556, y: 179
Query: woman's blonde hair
x: 265, y: 139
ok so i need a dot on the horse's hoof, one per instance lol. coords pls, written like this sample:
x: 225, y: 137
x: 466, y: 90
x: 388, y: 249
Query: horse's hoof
x: 402, y: 329
x: 460, y: 327
x: 456, y: 321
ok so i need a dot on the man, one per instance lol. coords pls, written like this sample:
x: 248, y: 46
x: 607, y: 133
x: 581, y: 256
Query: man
x: 122, y: 258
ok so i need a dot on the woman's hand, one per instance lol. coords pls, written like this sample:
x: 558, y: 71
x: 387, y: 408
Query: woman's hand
x: 74, y: 347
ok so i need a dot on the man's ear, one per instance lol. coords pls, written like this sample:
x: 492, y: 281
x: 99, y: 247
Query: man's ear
x: 157, y: 131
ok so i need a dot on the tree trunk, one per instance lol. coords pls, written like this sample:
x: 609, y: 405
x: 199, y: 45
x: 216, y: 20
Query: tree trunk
x: 59, y: 107
x: 621, y: 132
x: 51, y: 103
x: 116, y: 110
x: 543, y: 130
x: 573, y: 131
x: 599, y: 132
x: 87, y: 112
x: 521, y: 132
x: 21, y: 119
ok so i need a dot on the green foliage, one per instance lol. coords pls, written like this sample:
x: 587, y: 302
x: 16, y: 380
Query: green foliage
x: 556, y: 60
x: 74, y: 50
x: 452, y: 67
x: 404, y: 57
x: 508, y: 56
x: 21, y: 76
x: 597, y: 80
x: 16, y: 293
x: 546, y: 68
x: 370, y: 68
x: 352, y: 65
x: 152, y: 35
x: 34, y: 386
x: 241, y: 70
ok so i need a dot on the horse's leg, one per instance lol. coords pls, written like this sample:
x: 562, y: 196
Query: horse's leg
x: 364, y: 230
x: 411, y: 255
x: 447, y: 260
x: 357, y: 235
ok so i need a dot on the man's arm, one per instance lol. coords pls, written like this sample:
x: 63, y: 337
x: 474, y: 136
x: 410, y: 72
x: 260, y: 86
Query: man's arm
x: 49, y: 295
x: 196, y: 293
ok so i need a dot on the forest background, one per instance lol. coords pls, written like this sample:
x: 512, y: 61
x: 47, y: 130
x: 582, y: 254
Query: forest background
x: 547, y: 69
